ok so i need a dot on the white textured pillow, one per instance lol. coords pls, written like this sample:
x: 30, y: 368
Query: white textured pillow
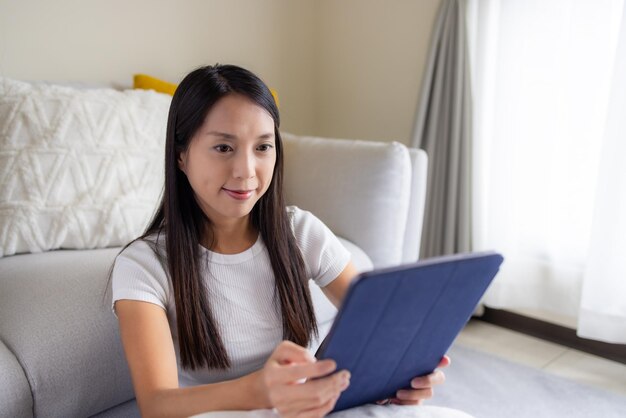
x: 78, y: 168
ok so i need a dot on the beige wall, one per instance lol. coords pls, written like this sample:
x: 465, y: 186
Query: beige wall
x: 343, y: 68
x: 106, y: 41
x: 370, y: 66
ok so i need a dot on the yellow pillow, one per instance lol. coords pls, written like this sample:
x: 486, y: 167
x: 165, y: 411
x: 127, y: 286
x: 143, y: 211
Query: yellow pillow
x: 147, y: 82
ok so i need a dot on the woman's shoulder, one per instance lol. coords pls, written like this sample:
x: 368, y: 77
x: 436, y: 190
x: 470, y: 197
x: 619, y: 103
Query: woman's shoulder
x: 298, y: 216
x: 305, y: 223
x: 147, y: 249
x: 297, y: 213
x: 139, y: 273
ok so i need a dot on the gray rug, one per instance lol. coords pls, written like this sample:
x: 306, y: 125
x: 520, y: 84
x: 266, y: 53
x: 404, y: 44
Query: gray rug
x: 489, y: 387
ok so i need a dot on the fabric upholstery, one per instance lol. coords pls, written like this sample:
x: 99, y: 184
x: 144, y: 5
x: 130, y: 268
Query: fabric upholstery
x: 414, y: 222
x: 359, y: 189
x: 79, y: 168
x: 361, y: 261
x: 126, y: 410
x: 15, y: 398
x: 56, y: 318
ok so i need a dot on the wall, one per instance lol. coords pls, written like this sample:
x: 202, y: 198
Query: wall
x: 106, y: 41
x: 370, y: 66
x: 348, y: 68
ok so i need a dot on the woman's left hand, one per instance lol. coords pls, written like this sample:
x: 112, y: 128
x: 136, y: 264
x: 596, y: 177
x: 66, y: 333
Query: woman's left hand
x: 421, y: 387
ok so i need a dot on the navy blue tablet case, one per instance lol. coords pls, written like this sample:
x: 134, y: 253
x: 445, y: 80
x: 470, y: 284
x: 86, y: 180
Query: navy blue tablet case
x: 397, y: 323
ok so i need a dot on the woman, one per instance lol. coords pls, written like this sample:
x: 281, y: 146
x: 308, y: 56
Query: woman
x: 213, y: 300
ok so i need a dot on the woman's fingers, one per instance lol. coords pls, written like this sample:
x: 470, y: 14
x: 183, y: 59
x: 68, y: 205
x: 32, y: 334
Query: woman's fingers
x: 320, y: 390
x: 421, y: 389
x: 396, y: 401
x: 414, y: 395
x: 314, y: 394
x: 320, y: 411
x: 445, y: 362
x: 289, y: 381
x: 288, y: 352
x: 294, y: 372
x: 291, y: 363
x: 435, y: 378
x: 422, y: 386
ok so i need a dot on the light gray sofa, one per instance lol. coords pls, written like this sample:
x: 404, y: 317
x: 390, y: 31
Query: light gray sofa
x: 60, y: 353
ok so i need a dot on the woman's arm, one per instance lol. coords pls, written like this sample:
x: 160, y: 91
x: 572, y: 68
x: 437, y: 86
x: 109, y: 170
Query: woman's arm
x: 150, y: 354
x: 336, y: 290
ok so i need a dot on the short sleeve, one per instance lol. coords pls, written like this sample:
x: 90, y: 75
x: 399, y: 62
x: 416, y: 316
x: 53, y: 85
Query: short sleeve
x: 324, y: 255
x: 139, y: 275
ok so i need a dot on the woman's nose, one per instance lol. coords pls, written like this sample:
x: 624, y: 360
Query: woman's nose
x: 244, y: 165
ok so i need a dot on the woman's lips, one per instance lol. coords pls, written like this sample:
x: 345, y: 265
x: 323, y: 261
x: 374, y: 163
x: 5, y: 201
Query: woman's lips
x: 239, y: 194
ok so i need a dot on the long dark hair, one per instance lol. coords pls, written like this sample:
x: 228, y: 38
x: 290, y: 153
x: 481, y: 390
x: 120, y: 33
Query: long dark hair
x: 184, y: 223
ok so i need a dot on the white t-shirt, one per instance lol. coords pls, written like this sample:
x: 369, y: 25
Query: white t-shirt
x: 240, y: 291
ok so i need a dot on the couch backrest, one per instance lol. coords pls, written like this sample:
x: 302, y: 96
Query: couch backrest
x: 363, y: 191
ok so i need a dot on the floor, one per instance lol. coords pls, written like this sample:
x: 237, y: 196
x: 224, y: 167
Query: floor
x: 552, y: 358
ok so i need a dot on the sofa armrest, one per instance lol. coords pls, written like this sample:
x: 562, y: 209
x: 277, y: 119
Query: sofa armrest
x: 55, y: 317
x: 16, y: 399
x: 417, y: 204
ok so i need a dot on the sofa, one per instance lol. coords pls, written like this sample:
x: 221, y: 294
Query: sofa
x: 60, y: 352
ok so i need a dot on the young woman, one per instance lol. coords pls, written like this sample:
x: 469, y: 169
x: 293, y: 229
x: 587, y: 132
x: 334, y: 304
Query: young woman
x: 213, y: 301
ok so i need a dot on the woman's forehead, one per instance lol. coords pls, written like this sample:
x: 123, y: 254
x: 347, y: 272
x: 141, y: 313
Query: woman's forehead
x: 236, y: 111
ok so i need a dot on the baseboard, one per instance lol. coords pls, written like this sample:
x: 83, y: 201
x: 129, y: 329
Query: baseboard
x: 554, y: 333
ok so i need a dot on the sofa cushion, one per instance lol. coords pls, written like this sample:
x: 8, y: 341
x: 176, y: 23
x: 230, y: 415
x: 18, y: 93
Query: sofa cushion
x: 55, y: 317
x: 79, y: 168
x: 361, y: 261
x: 15, y: 398
x: 128, y: 409
x: 359, y: 189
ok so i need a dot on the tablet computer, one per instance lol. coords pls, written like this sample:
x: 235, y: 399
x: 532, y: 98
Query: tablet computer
x: 397, y: 323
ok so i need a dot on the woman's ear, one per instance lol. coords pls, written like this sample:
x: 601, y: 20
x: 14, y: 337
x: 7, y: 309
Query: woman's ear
x: 182, y: 157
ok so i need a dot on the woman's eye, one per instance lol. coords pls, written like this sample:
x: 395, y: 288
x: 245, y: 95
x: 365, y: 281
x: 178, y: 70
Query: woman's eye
x: 223, y: 148
x: 265, y: 147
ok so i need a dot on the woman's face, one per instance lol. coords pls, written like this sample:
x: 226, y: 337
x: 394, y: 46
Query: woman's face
x: 230, y: 160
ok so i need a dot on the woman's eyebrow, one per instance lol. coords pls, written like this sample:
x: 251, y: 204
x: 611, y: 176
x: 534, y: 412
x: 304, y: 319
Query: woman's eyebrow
x: 222, y: 135
x: 227, y: 136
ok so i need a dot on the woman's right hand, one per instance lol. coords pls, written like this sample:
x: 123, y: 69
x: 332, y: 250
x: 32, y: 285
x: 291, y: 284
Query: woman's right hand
x: 286, y: 381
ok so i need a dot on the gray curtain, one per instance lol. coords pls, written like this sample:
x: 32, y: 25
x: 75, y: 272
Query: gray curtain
x: 443, y: 128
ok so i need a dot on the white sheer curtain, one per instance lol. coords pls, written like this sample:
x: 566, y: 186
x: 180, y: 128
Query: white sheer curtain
x: 549, y: 178
x: 603, y: 308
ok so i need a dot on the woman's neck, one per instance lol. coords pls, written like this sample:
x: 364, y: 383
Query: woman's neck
x: 232, y: 237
